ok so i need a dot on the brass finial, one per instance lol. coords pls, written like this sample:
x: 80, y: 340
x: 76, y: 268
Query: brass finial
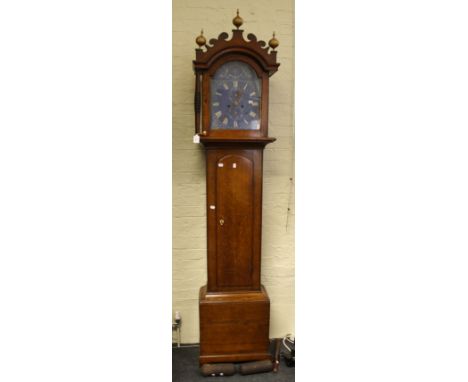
x: 273, y: 42
x: 200, y: 40
x: 237, y: 21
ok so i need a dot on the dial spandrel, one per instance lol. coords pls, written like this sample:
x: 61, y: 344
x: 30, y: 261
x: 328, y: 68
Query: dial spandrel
x: 235, y: 98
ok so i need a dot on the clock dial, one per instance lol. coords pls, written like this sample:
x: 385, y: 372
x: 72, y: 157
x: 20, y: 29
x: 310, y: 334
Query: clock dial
x: 235, y: 97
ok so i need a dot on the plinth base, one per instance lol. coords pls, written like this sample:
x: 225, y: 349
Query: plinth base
x: 234, y: 326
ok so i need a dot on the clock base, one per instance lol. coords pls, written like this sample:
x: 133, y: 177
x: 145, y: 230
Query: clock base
x: 234, y: 326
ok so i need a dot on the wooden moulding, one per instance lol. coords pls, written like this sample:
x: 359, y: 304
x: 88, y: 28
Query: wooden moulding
x: 234, y: 327
x: 236, y: 141
x: 258, y: 50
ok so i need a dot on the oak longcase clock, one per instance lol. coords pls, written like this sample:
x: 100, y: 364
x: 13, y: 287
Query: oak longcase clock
x: 231, y: 121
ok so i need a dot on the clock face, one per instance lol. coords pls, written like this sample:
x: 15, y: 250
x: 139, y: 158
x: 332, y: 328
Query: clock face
x: 235, y: 98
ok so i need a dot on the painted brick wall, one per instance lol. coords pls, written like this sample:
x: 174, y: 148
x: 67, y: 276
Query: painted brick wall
x: 261, y: 17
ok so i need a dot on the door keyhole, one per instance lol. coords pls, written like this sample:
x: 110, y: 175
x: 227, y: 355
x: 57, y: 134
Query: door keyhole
x: 221, y: 221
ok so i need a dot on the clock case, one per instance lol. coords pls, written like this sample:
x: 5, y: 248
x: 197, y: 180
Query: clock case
x: 234, y: 306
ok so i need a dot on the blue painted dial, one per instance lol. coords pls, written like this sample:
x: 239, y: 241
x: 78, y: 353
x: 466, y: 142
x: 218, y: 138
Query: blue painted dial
x: 235, y: 97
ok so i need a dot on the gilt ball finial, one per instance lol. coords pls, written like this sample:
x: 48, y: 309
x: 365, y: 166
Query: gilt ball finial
x: 237, y: 21
x: 273, y: 42
x: 200, y: 40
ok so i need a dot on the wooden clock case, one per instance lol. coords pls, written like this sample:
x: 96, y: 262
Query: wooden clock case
x: 234, y: 306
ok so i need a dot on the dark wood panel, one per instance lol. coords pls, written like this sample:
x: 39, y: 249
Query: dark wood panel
x: 236, y: 327
x: 234, y: 196
x: 234, y: 210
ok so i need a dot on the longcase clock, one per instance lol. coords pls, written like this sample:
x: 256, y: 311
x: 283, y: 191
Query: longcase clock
x: 231, y: 121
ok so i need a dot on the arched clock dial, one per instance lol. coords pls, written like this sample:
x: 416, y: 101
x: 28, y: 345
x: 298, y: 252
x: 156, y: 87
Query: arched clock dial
x: 235, y: 97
